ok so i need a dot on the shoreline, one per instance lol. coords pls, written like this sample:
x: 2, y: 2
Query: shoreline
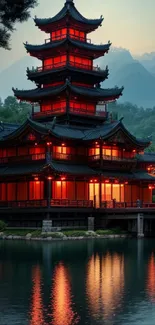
x: 64, y: 238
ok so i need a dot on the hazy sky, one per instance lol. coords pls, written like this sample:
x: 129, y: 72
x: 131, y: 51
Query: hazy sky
x: 127, y: 23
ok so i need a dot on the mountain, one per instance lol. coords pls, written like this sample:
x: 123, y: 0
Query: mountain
x: 124, y: 70
x: 148, y: 61
x: 138, y: 82
x: 15, y: 76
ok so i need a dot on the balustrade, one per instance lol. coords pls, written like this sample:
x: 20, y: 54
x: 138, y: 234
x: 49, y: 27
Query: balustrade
x: 112, y: 158
x: 26, y: 158
x: 59, y: 65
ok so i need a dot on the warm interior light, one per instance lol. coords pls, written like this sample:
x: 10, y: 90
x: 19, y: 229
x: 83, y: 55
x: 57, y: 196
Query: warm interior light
x: 107, y: 181
x: 63, y: 144
x: 133, y: 150
x: 49, y: 178
x: 91, y: 181
x: 63, y: 178
x: 96, y: 142
x: 36, y: 178
x: 126, y: 183
x: 49, y: 143
x: 116, y: 181
x: 95, y: 180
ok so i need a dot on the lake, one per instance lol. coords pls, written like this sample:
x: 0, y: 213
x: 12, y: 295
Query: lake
x: 91, y: 282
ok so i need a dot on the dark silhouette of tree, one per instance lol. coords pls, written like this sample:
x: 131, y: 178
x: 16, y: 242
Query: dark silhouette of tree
x: 12, y: 12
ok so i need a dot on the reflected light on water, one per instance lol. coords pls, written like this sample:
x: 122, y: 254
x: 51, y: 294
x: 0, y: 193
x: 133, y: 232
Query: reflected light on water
x: 105, y: 284
x: 151, y: 278
x: 36, y: 314
x: 62, y: 306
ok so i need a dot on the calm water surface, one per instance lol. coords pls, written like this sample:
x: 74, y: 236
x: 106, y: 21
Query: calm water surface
x: 67, y: 283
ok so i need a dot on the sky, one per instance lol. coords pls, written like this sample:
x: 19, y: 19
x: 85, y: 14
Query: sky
x: 128, y: 24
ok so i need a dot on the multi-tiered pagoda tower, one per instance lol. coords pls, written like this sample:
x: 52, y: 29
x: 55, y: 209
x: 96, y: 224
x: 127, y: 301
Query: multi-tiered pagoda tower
x: 68, y: 83
x: 70, y: 160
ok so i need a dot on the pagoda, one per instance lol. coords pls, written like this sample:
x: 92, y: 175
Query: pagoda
x: 70, y: 161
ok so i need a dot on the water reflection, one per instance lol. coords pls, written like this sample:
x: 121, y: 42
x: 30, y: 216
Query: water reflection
x: 151, y: 278
x: 62, y: 306
x: 105, y: 284
x: 36, y: 314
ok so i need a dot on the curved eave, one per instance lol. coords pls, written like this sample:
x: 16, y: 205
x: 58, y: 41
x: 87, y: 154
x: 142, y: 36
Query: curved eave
x: 94, y: 93
x: 69, y: 13
x: 36, y: 75
x: 41, y: 50
x: 37, y: 127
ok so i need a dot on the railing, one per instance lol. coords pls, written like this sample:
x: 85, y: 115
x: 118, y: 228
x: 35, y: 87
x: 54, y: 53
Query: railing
x: 40, y: 156
x: 63, y: 36
x: 111, y: 158
x: 24, y: 204
x: 76, y: 204
x: 49, y: 113
x: 64, y: 64
x: 69, y: 157
x: 88, y: 112
x: 44, y: 203
x: 113, y: 204
x: 72, y: 203
x: 72, y: 110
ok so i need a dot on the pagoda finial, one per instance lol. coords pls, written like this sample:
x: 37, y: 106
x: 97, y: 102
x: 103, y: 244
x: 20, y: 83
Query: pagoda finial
x: 69, y: 2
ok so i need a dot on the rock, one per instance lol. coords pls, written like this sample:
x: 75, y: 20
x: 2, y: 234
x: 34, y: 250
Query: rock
x: 28, y: 236
x: 10, y: 237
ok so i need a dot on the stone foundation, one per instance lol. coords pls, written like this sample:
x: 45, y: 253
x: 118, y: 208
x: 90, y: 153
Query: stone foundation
x: 47, y: 226
x: 91, y: 223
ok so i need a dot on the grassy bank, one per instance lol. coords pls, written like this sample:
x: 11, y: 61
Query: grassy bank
x: 29, y: 233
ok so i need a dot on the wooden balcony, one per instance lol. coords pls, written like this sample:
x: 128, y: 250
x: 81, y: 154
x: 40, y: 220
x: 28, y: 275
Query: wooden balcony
x: 112, y: 158
x: 44, y: 203
x: 27, y: 158
x: 69, y: 157
x: 59, y: 65
x: 62, y: 110
x: 63, y: 36
x: 126, y: 205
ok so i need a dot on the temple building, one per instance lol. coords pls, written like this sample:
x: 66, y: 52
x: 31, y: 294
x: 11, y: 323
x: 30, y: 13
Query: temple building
x: 71, y: 161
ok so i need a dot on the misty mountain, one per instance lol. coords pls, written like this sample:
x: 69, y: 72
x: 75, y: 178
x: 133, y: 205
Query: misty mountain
x: 124, y: 70
x: 148, y: 61
x: 15, y: 76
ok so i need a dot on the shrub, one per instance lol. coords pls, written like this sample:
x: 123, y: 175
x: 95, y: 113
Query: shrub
x: 3, y: 225
x: 75, y: 233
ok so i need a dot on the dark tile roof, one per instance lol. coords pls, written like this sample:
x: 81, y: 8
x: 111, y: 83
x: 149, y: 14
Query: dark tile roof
x: 21, y: 169
x: 139, y: 175
x: 7, y: 128
x: 69, y: 41
x: 70, y: 11
x: 95, y: 93
x: 72, y: 169
x: 98, y: 74
x: 147, y: 157
x: 83, y: 133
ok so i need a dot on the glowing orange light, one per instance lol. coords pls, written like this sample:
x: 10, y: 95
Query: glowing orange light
x: 63, y: 144
x: 148, y: 168
x: 133, y: 150
x: 96, y: 142
x: 49, y: 143
x: 36, y: 178
x: 95, y: 180
x: 63, y: 178
x: 107, y: 181
x: 91, y: 181
x: 49, y: 178
x: 126, y: 183
x: 116, y: 181
x: 36, y: 143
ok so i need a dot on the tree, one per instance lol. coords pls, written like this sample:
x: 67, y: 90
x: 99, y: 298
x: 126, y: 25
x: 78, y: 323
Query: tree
x: 12, y: 12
